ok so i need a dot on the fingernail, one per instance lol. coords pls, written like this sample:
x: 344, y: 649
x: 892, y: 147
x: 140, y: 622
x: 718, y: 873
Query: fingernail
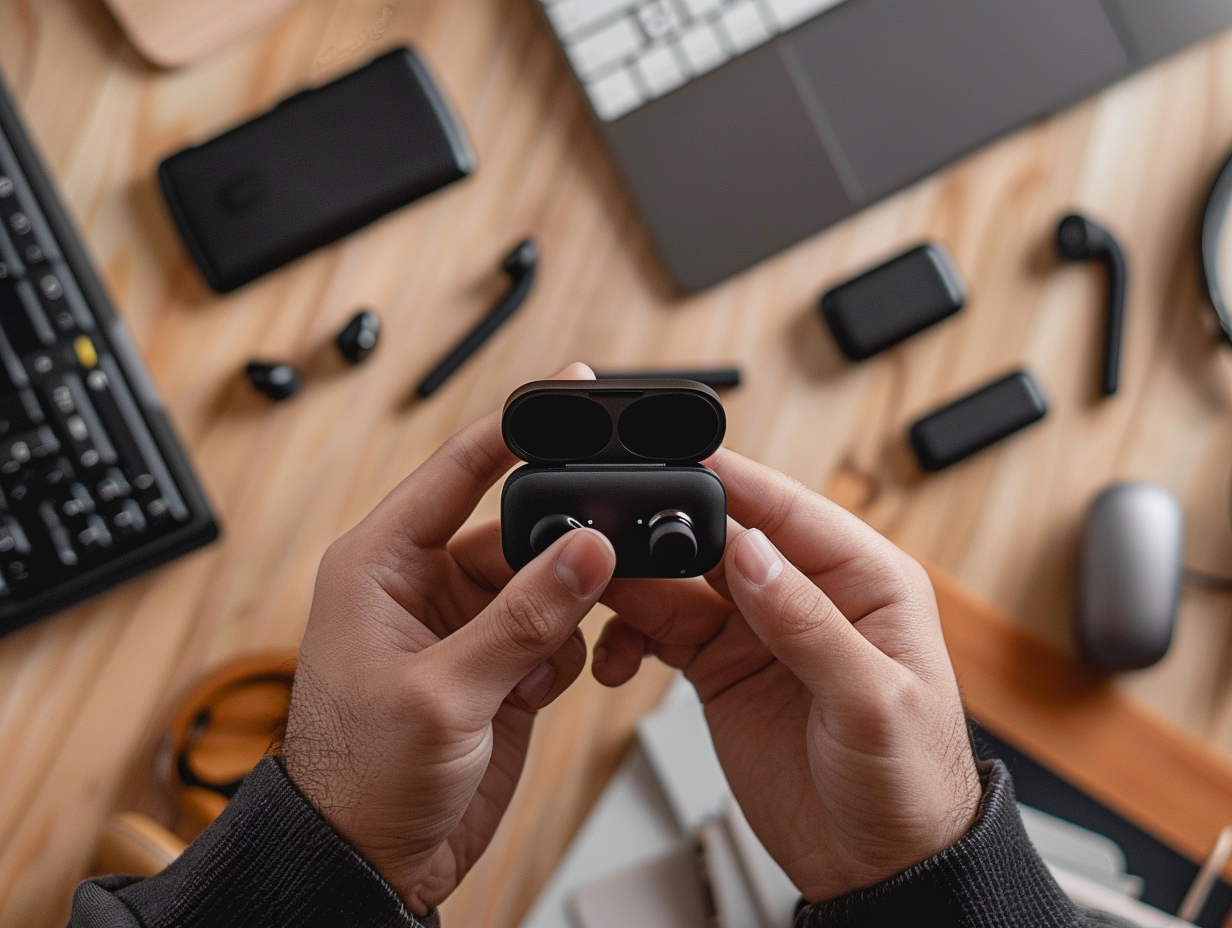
x: 585, y: 564
x: 757, y: 558
x: 535, y: 685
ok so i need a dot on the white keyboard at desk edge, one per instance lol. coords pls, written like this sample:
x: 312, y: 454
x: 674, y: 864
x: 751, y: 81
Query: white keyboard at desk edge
x: 629, y: 52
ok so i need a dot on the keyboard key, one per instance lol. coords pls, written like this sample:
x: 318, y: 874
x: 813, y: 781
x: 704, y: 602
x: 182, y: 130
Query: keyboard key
x: 36, y: 243
x: 87, y: 353
x: 660, y: 71
x: 62, y: 299
x: 130, y: 519
x: 20, y: 230
x: 51, y: 295
x: 10, y: 261
x: 16, y: 451
x: 91, y: 445
x: 114, y: 486
x: 62, y: 400
x: 13, y: 539
x: 744, y: 26
x: 570, y: 18
x: 17, y: 573
x: 604, y: 48
x: 34, y: 312
x: 791, y: 13
x: 700, y: 9
x: 59, y: 534
x: 95, y: 535
x: 12, y: 374
x: 80, y: 502
x: 614, y: 95
x: 105, y: 382
x: 658, y: 19
x: 53, y: 478
x: 703, y: 49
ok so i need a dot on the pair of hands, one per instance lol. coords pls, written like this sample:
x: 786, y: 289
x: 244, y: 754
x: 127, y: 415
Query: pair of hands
x: 815, y: 647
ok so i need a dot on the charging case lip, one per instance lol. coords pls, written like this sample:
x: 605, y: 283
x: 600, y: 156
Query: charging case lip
x: 614, y: 398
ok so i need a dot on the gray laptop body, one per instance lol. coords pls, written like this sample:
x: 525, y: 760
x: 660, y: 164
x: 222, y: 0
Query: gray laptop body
x: 861, y: 101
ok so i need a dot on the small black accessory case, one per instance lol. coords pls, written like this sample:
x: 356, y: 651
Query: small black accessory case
x: 889, y: 303
x: 981, y: 418
x: 620, y: 457
x: 319, y: 165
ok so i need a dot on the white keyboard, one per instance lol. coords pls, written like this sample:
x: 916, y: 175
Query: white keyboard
x: 629, y: 52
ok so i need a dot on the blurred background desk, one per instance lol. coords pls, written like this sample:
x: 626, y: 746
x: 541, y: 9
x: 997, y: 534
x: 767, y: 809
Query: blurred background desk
x: 83, y: 695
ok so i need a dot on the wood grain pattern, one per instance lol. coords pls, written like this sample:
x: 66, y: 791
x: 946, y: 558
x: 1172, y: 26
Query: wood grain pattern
x: 84, y: 695
x: 173, y: 33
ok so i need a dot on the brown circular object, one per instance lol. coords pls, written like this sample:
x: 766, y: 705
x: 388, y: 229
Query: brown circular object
x: 224, y: 726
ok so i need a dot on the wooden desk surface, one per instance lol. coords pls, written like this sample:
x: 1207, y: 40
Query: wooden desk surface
x: 82, y: 695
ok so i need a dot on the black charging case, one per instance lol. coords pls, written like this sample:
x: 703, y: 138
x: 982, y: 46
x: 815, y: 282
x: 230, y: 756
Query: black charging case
x: 622, y: 458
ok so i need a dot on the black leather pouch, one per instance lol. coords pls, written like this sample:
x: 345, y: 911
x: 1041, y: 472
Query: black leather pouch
x: 319, y: 165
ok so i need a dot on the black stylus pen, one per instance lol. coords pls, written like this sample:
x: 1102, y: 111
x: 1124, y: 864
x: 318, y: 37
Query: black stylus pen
x: 520, y: 265
x: 716, y: 378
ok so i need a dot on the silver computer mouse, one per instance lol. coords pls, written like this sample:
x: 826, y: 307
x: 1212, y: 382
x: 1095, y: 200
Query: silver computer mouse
x: 1130, y: 567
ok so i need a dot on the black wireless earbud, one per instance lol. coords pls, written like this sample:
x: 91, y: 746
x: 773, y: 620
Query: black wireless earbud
x: 1081, y: 239
x: 548, y: 529
x: 277, y: 381
x: 673, y: 546
x: 359, y: 337
x: 519, y: 265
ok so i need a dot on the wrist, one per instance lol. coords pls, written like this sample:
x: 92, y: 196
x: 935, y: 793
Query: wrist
x: 992, y: 875
x: 929, y: 820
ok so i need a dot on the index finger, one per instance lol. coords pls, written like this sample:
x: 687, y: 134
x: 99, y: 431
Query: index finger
x: 429, y: 506
x: 859, y: 569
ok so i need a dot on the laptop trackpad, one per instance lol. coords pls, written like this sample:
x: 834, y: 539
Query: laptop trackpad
x: 901, y: 88
x: 728, y: 170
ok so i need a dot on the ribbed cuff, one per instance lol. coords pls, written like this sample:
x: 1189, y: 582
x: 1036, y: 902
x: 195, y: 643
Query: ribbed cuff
x: 270, y: 860
x: 992, y: 878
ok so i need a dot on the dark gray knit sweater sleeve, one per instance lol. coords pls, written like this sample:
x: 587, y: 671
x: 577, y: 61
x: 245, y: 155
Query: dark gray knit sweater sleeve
x: 268, y: 860
x: 992, y: 878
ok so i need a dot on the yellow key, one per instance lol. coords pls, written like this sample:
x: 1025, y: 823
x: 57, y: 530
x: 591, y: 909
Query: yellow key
x: 87, y: 354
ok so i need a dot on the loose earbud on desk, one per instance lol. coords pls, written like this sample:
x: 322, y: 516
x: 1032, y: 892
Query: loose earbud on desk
x: 1081, y: 239
x: 358, y: 339
x: 519, y: 265
x: 277, y: 381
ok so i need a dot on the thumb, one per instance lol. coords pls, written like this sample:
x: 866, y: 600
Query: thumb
x: 529, y: 621
x: 794, y: 618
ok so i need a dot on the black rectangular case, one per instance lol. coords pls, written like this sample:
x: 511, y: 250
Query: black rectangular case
x: 622, y: 457
x: 889, y: 303
x: 320, y: 165
x: 977, y: 420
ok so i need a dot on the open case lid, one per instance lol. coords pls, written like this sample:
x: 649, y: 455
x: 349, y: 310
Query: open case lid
x: 173, y: 33
x: 557, y: 422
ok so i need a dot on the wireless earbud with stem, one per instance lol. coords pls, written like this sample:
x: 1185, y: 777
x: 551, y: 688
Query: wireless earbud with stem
x: 1081, y: 239
x: 519, y: 265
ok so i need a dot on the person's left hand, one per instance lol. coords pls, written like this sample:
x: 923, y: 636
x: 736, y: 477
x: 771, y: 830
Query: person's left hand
x: 423, y: 665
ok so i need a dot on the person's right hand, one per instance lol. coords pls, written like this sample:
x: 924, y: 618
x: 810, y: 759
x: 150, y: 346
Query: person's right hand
x: 816, y: 649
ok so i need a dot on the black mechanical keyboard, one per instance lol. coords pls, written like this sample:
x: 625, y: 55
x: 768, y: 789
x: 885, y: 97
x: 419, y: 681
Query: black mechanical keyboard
x: 94, y: 486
